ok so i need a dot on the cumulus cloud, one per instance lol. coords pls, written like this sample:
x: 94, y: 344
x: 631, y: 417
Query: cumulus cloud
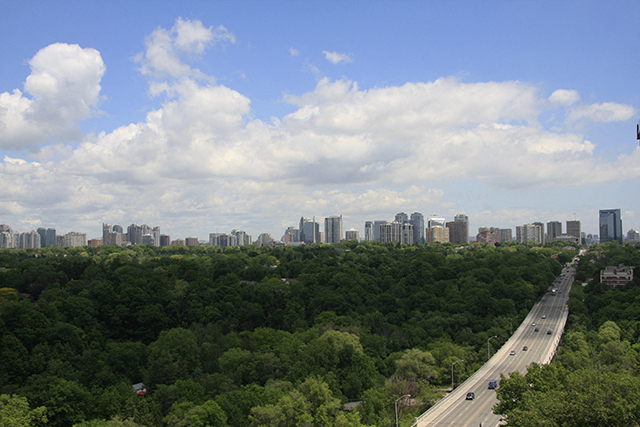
x: 343, y: 150
x: 165, y: 48
x: 564, y: 97
x: 294, y: 52
x: 64, y: 85
x: 337, y: 58
x: 604, y: 112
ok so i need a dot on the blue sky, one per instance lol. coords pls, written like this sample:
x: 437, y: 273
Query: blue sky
x: 206, y: 116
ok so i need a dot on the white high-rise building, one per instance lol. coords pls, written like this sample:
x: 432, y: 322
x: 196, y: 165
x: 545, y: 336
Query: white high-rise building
x: 530, y: 233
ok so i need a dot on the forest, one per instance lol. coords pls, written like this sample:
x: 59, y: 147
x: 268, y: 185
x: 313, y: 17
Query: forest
x: 318, y: 335
x: 594, y: 380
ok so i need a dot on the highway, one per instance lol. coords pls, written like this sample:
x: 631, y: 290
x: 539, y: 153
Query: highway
x: 549, y: 315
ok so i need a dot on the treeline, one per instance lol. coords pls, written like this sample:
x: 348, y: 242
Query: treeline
x: 254, y: 336
x: 595, y: 380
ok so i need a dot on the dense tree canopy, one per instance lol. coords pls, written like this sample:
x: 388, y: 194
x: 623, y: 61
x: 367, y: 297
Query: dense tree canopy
x: 258, y: 336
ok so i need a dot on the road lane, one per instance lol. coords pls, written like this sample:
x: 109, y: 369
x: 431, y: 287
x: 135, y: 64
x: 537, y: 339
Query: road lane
x: 455, y: 410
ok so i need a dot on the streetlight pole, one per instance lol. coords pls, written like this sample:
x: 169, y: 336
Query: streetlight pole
x: 489, y: 348
x: 452, y: 372
x: 396, y: 404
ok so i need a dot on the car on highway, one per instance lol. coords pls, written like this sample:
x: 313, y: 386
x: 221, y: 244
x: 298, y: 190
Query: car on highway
x: 549, y: 332
x: 536, y: 329
x: 492, y: 385
x: 470, y: 396
x: 513, y: 353
x: 533, y: 324
x: 525, y: 348
x: 544, y: 316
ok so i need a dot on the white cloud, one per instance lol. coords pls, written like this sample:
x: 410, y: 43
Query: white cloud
x: 604, y: 112
x: 164, y: 48
x: 200, y: 158
x: 564, y: 97
x: 65, y: 87
x: 294, y: 52
x: 337, y: 58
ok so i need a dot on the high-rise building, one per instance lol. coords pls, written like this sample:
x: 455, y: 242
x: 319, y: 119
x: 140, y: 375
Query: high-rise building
x: 529, y: 233
x: 573, y: 229
x: 376, y: 229
x: 505, y: 235
x: 391, y: 232
x: 111, y: 235
x: 368, y: 231
x: 401, y: 217
x: 554, y: 229
x: 610, y: 225
x: 191, y: 241
x: 291, y: 235
x: 309, y: 231
x: 333, y: 229
x: 352, y: 234
x: 437, y: 233
x: 407, y: 233
x: 434, y: 220
x: 459, y: 229
x: 74, y: 239
x: 417, y: 219
x: 165, y: 240
x: 43, y: 236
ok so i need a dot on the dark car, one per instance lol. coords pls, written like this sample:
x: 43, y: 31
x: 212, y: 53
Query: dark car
x: 536, y: 329
x: 470, y: 396
x: 549, y: 332
x: 492, y: 385
x: 525, y: 348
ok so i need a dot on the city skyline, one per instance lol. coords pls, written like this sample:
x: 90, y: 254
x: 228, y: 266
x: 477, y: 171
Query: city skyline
x: 204, y: 118
x: 548, y: 230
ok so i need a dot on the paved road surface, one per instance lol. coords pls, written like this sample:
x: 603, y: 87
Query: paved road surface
x: 455, y: 410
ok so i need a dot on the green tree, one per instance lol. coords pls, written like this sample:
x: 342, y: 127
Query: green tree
x: 15, y: 412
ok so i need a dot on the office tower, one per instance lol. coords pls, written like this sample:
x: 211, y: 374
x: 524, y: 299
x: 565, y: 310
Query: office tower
x: 6, y: 239
x: 417, y: 219
x: 505, y: 235
x: 406, y: 233
x: 633, y: 236
x: 165, y: 240
x: 376, y: 228
x: 554, y: 229
x: 529, y: 233
x: 437, y: 233
x: 368, y: 231
x: 43, y: 236
x: 573, y: 229
x: 291, y: 235
x: 390, y: 232
x: 402, y: 217
x: 309, y: 231
x: 610, y: 225
x: 459, y: 229
x: 333, y: 229
x: 352, y: 234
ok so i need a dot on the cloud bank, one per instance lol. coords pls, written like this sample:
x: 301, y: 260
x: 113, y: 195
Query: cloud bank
x: 201, y: 160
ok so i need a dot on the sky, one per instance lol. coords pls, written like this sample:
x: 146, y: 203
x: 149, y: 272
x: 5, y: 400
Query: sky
x: 206, y: 116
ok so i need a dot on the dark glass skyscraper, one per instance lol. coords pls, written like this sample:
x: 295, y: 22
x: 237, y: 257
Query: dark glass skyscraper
x: 610, y: 225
